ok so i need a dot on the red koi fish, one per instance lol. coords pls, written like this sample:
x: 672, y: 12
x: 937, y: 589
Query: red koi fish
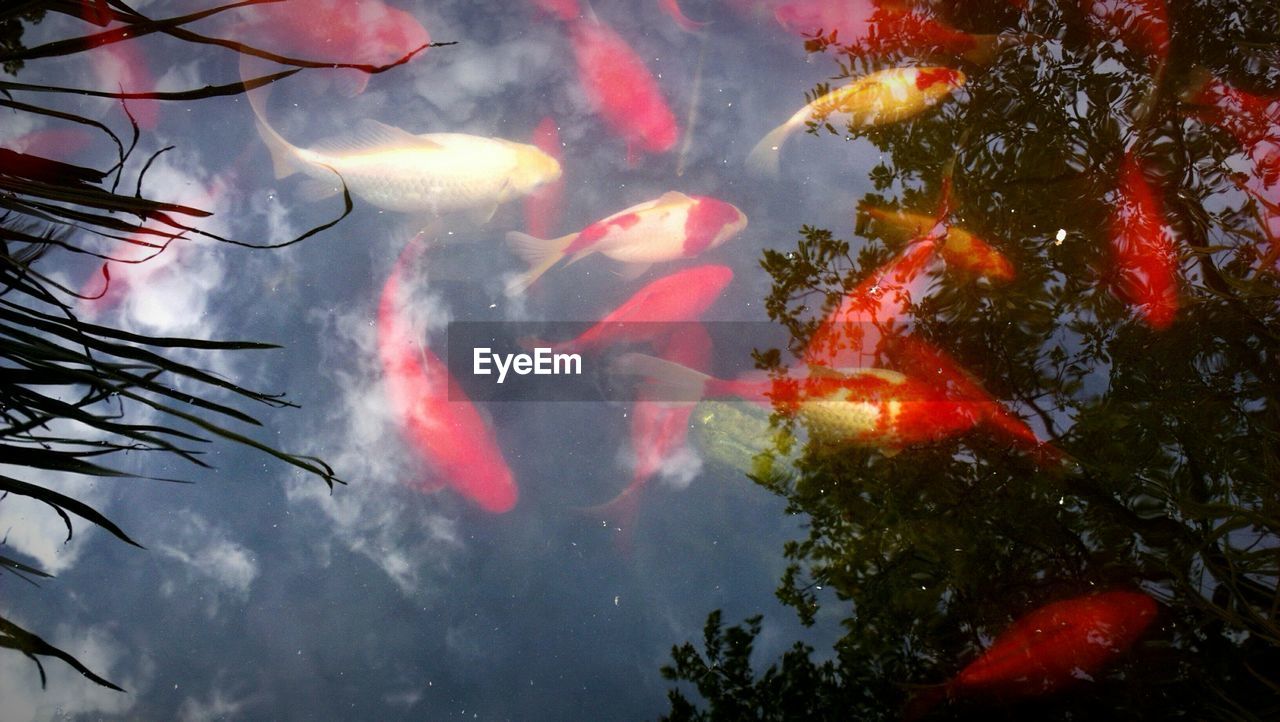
x: 1049, y: 649
x: 880, y: 27
x: 544, y: 206
x: 368, y: 32
x: 672, y: 8
x: 851, y: 334
x: 667, y: 228
x: 1143, y: 26
x: 658, y: 429
x: 622, y: 90
x: 1254, y: 121
x: 435, y: 417
x: 1145, y: 259
x: 120, y: 66
x: 680, y: 297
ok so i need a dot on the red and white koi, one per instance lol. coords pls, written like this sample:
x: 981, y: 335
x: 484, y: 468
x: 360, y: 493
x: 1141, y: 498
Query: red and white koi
x: 667, y: 228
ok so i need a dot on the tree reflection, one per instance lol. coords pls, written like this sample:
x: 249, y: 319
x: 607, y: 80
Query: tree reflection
x: 76, y: 396
x: 1171, y: 434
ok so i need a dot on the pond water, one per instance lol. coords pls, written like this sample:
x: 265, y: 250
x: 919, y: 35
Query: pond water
x: 1016, y: 290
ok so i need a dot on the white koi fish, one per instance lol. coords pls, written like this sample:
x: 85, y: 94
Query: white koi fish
x: 432, y: 173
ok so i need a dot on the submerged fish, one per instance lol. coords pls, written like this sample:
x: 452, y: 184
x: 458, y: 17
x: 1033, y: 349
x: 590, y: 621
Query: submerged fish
x: 121, y: 66
x: 658, y: 428
x: 959, y: 248
x: 885, y: 96
x: 435, y: 417
x: 879, y: 27
x: 667, y: 228
x: 622, y: 90
x: 1146, y: 261
x: 672, y: 8
x: 1056, y: 646
x: 680, y: 297
x: 365, y: 32
x: 431, y: 173
x: 544, y: 206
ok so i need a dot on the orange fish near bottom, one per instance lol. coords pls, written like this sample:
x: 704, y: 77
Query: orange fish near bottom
x: 435, y: 416
x: 1049, y: 649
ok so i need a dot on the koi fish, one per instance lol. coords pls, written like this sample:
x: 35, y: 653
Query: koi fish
x: 1145, y: 258
x: 959, y: 248
x: 659, y: 429
x: 1143, y: 25
x: 543, y: 207
x: 1254, y: 121
x: 885, y: 96
x: 851, y: 335
x: 133, y: 261
x: 670, y: 227
x: 622, y: 90
x: 881, y: 27
x: 368, y: 32
x: 672, y: 8
x: 869, y: 407
x: 429, y: 173
x: 435, y: 417
x: 680, y: 297
x: 120, y: 66
x: 1049, y: 649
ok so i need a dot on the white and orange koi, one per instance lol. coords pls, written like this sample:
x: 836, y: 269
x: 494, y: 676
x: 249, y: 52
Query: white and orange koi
x: 667, y: 228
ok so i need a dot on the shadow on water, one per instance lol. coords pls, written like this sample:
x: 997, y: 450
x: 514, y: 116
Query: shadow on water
x: 1121, y: 156
x: 78, y: 395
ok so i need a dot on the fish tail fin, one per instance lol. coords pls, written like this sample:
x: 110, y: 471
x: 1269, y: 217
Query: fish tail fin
x: 663, y: 379
x: 620, y: 515
x: 284, y: 158
x: 984, y: 50
x: 763, y: 159
x: 540, y: 253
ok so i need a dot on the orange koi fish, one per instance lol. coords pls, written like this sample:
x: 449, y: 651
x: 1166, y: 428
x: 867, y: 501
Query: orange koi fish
x: 544, y: 206
x: 680, y: 297
x: 437, y: 420
x: 1049, y: 649
x: 368, y: 32
x: 1145, y: 258
x: 885, y: 96
x: 623, y: 91
x: 959, y: 248
x: 667, y: 228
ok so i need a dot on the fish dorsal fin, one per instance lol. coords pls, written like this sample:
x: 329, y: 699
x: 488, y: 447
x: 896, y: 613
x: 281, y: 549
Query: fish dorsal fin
x: 671, y: 198
x: 371, y: 135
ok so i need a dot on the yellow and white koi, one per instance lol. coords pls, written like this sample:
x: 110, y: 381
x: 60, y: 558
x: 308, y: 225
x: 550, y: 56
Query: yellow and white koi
x: 885, y: 96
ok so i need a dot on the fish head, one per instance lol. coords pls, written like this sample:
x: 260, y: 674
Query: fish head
x: 534, y: 168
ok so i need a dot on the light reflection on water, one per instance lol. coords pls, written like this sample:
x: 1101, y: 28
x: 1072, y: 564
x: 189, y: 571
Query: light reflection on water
x: 263, y: 593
